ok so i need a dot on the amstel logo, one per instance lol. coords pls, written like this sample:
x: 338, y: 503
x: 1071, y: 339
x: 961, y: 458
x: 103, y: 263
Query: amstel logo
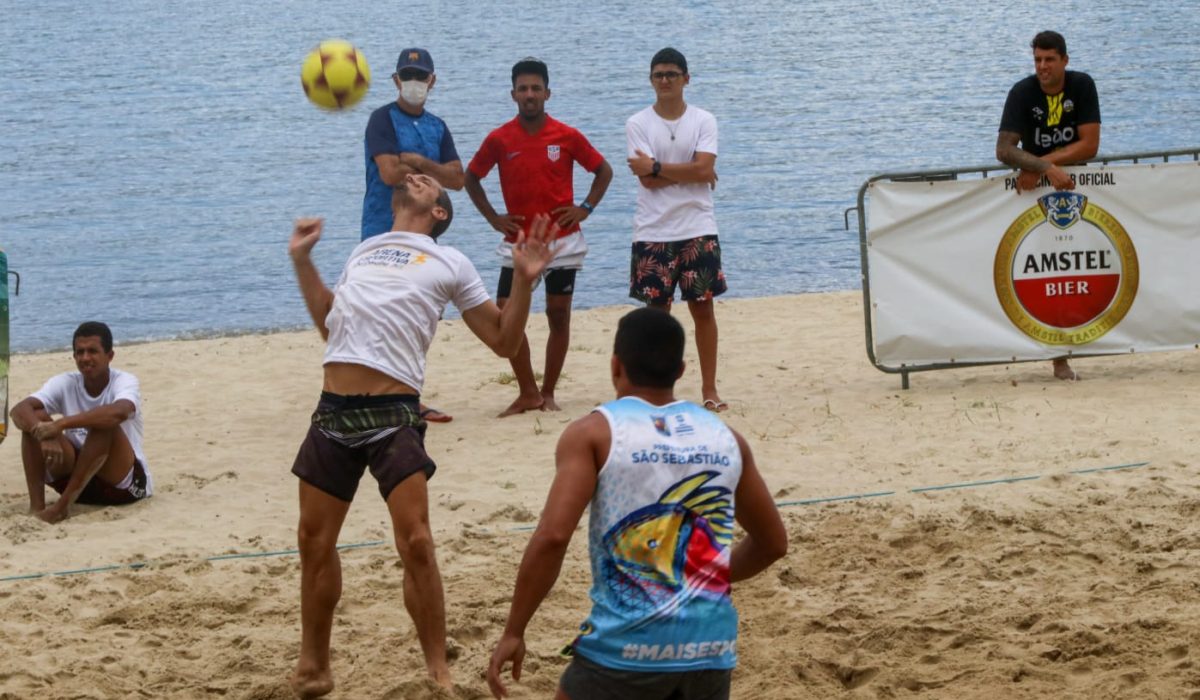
x: 1066, y: 271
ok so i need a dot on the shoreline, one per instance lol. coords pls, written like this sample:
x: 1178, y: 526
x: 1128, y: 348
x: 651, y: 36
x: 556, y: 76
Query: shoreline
x: 451, y: 315
x: 1067, y: 585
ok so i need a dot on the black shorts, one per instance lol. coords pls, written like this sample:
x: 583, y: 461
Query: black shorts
x: 694, y: 265
x: 98, y: 492
x: 585, y: 680
x: 560, y: 280
x: 350, y: 433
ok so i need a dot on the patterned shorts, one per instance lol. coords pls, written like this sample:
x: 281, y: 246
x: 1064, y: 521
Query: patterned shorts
x: 693, y: 265
x: 350, y: 433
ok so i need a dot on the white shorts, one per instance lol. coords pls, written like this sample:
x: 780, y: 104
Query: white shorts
x: 569, y: 252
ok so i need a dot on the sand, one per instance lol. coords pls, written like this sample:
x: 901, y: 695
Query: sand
x: 1068, y: 585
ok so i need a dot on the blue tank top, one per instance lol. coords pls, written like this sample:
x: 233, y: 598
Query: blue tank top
x: 660, y: 535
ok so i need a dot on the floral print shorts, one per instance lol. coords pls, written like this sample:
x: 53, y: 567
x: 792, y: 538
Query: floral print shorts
x: 694, y: 265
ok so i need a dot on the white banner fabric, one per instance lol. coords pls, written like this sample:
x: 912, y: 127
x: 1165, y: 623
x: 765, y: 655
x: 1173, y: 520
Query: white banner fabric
x: 972, y: 271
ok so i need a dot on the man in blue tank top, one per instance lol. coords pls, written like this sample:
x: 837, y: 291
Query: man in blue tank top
x: 662, y: 477
x: 403, y: 138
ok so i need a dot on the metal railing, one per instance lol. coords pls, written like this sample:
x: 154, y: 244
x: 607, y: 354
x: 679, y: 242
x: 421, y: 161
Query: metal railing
x: 982, y: 171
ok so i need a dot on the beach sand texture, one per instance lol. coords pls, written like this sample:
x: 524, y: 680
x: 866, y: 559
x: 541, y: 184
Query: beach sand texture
x: 1071, y: 585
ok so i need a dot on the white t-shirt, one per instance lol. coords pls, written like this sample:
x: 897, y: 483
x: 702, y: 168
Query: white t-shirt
x: 65, y: 395
x: 387, y: 303
x: 683, y: 211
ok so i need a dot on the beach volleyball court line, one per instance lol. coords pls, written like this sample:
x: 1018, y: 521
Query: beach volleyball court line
x: 220, y: 557
x: 527, y: 528
x: 972, y: 484
x: 832, y: 499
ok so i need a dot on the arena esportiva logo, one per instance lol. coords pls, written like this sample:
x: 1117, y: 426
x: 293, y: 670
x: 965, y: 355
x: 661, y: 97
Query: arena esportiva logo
x: 1066, y: 271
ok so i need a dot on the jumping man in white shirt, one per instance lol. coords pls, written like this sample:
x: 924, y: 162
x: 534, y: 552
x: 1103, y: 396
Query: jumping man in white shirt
x: 379, y: 321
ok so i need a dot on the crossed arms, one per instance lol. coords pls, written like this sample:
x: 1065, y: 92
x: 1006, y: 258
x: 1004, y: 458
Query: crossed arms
x: 1032, y: 167
x: 394, y: 167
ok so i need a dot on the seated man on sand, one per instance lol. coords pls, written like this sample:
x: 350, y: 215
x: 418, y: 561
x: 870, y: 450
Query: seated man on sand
x: 92, y: 453
x: 379, y: 321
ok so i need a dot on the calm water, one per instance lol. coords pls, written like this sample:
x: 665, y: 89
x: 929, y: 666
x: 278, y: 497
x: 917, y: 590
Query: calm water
x: 154, y: 154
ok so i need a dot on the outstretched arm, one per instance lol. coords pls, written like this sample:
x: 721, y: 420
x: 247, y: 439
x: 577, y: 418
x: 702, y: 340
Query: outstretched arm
x: 317, y: 296
x: 766, y: 537
x: 502, y: 330
x: 582, y: 449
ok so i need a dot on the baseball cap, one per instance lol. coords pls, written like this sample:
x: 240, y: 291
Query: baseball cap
x: 415, y: 58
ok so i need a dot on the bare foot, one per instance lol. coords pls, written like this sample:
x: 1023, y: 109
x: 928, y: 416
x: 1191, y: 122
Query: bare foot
x: 522, y: 404
x: 549, y: 404
x: 1062, y: 370
x: 442, y: 677
x: 311, y: 684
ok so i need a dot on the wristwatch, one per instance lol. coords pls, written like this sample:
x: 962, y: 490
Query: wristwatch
x: 585, y: 206
x: 655, y: 169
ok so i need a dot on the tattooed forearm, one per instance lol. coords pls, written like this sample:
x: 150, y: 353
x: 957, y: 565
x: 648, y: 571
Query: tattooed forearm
x: 1008, y: 152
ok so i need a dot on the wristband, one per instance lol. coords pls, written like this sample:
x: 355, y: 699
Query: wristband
x: 655, y: 169
x: 586, y: 207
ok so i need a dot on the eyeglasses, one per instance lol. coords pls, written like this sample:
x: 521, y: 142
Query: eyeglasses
x: 671, y: 75
x: 412, y: 74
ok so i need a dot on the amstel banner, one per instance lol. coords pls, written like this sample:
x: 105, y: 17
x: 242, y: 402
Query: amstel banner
x: 973, y: 271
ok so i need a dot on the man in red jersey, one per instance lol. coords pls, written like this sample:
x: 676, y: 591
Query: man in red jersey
x: 536, y: 155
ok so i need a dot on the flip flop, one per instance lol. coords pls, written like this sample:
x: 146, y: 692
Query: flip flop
x: 715, y: 406
x: 433, y: 415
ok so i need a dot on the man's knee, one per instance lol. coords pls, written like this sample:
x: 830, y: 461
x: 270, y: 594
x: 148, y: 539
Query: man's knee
x: 702, y: 310
x: 313, y: 535
x: 416, y: 546
x: 559, y: 319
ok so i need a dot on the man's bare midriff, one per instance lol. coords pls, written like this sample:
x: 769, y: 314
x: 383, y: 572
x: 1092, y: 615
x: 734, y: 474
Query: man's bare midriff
x: 350, y: 379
